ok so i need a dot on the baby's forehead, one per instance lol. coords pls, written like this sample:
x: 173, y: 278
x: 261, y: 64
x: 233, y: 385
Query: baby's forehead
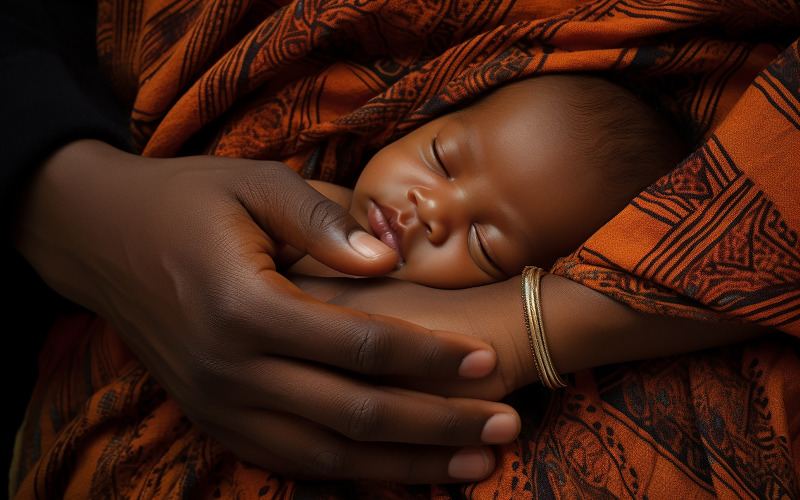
x: 554, y: 87
x: 520, y: 111
x: 556, y: 98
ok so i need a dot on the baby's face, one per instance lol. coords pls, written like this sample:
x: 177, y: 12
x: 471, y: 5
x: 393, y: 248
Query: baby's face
x: 473, y: 196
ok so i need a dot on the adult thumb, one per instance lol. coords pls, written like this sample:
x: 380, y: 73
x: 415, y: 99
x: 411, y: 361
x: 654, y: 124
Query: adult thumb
x: 299, y: 215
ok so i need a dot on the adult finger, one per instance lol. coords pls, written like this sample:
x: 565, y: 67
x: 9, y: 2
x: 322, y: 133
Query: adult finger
x: 304, y: 328
x: 292, y: 211
x: 302, y: 450
x: 361, y: 411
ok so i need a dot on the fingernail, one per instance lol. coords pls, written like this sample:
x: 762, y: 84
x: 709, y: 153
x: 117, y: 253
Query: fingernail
x: 500, y: 428
x: 477, y: 364
x: 367, y: 245
x: 469, y: 463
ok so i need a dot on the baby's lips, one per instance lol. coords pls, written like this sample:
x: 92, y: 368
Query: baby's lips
x: 381, y: 225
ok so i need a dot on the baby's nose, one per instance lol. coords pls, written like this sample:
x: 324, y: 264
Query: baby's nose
x: 438, y: 210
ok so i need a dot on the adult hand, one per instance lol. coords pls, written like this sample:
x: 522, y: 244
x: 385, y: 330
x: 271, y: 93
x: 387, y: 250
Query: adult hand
x: 177, y: 255
x: 492, y: 313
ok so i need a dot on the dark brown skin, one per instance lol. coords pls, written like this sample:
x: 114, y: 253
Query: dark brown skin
x: 475, y: 195
x: 584, y: 328
x: 510, y: 168
x: 177, y: 254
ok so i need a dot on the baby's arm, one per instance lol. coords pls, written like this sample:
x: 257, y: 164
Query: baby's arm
x: 584, y: 328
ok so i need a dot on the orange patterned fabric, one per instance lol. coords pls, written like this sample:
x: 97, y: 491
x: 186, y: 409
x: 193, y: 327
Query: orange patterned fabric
x: 323, y: 84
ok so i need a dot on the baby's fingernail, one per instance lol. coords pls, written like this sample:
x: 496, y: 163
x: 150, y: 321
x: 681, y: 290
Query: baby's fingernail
x: 500, y: 428
x: 367, y: 245
x: 477, y: 364
x: 469, y: 463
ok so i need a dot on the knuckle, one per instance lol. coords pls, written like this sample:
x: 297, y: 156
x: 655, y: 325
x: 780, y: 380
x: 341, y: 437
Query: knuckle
x: 430, y: 357
x: 321, y: 214
x: 451, y: 425
x: 326, y: 462
x: 364, y: 351
x: 362, y: 419
x: 256, y: 183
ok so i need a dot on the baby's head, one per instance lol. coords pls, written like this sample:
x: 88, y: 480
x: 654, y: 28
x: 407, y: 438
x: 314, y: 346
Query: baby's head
x: 519, y: 177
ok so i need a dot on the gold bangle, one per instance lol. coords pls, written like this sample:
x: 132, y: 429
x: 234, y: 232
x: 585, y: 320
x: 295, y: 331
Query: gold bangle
x: 531, y: 279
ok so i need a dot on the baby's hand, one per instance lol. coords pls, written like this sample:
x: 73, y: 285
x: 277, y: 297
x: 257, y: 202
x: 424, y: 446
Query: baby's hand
x: 492, y: 313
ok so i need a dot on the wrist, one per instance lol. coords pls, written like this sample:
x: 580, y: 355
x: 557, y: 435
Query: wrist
x: 522, y: 365
x: 57, y: 213
x: 586, y: 328
x: 537, y: 339
x: 583, y: 326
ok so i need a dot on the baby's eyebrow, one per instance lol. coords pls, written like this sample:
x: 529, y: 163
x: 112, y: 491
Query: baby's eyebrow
x: 465, y: 120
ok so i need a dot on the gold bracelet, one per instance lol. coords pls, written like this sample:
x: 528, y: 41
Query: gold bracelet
x: 531, y: 279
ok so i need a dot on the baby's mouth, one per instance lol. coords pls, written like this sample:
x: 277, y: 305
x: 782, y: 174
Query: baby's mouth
x: 381, y: 223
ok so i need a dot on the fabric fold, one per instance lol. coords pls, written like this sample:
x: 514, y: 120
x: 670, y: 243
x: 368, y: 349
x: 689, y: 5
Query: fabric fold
x: 321, y: 85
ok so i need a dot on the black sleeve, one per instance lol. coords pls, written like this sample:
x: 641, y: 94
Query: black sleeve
x: 51, y: 89
x: 51, y: 93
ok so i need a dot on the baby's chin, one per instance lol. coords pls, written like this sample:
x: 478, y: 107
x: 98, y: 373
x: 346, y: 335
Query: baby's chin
x: 407, y: 273
x: 399, y: 272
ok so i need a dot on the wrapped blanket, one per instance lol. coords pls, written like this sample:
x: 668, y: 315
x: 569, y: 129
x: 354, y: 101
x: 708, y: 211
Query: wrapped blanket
x: 321, y: 85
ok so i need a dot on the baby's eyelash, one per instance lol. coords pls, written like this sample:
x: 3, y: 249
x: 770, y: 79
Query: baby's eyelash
x: 438, y: 159
x: 480, y: 255
x: 483, y: 249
